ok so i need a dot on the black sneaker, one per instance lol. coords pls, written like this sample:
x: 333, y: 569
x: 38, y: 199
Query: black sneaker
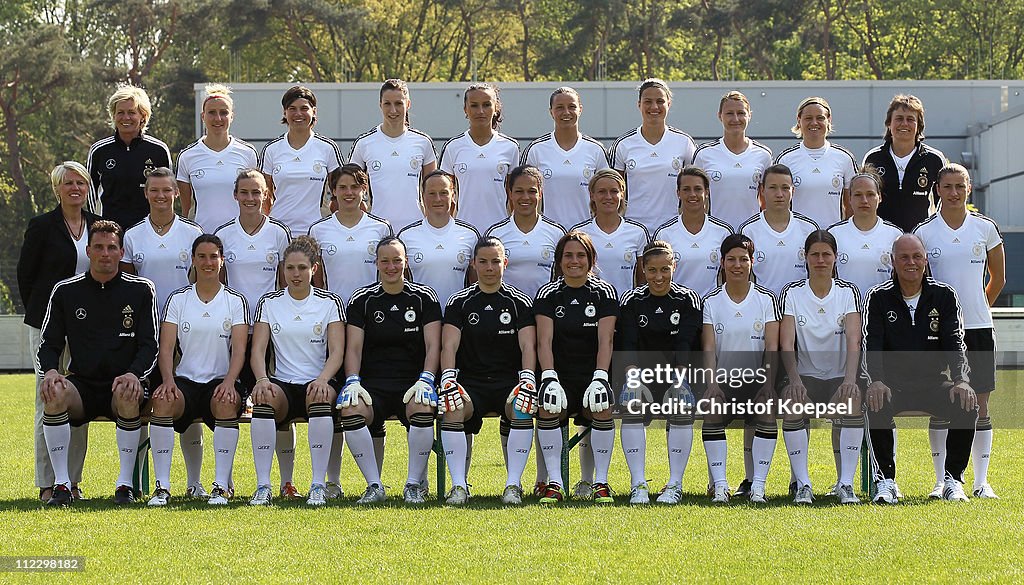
x: 124, y: 494
x: 793, y: 488
x: 62, y: 497
x: 743, y: 490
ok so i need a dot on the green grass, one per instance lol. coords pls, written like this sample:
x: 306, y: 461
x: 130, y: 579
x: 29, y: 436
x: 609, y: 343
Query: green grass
x: 189, y: 542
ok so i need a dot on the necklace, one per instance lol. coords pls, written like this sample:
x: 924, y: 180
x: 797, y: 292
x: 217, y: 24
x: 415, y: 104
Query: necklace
x: 263, y: 220
x: 160, y: 228
x: 81, y: 228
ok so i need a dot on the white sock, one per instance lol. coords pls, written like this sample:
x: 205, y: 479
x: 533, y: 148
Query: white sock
x: 225, y: 443
x: 162, y: 442
x: 320, y: 435
x: 551, y: 448
x: 981, y: 455
x: 519, y: 443
x: 542, y: 465
x: 850, y: 439
x: 334, y: 462
x: 378, y: 453
x: 796, y: 445
x: 127, y: 447
x: 586, y: 451
x: 602, y: 443
x: 454, y: 442
x: 285, y: 449
x: 716, y: 452
x: 937, y: 442
x: 58, y: 438
x: 264, y: 435
x: 680, y: 443
x: 633, y: 437
x: 360, y: 445
x: 762, y: 451
x: 192, y: 452
x: 421, y: 441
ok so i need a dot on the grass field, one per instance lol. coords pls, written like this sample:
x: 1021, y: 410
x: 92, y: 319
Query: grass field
x: 917, y: 541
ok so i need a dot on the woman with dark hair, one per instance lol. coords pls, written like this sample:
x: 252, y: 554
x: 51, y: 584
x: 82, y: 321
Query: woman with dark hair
x: 394, y: 343
x: 307, y: 328
x: 820, y: 337
x: 54, y: 249
x: 209, y: 322
x: 296, y: 164
x: 396, y: 156
x: 481, y: 157
x: 576, y: 316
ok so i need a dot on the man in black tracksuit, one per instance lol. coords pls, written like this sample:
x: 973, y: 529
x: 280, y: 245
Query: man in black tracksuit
x: 108, y: 321
x: 913, y: 333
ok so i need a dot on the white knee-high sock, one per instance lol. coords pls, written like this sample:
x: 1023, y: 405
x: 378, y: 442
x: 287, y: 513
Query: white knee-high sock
x: 57, y: 434
x: 520, y: 440
x: 320, y: 435
x: 795, y: 436
x: 633, y: 437
x: 981, y: 451
x: 550, y: 435
x: 680, y: 443
x: 851, y: 435
x: 763, y: 450
x: 602, y: 442
x: 285, y: 448
x: 128, y: 431
x: 717, y: 449
x: 938, y: 430
x: 263, y: 432
x: 192, y: 452
x: 453, y: 437
x: 421, y: 442
x: 225, y: 443
x: 360, y: 444
x: 161, y: 436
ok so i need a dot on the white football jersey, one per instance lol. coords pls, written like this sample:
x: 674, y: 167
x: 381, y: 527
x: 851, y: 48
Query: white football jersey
x: 298, y: 331
x: 251, y: 261
x: 734, y: 178
x: 481, y: 172
x: 697, y: 256
x: 394, y: 166
x: 820, y: 326
x: 739, y: 327
x: 164, y: 259
x: 651, y: 171
x: 212, y: 177
x: 204, y: 331
x: 349, y: 255
x: 617, y: 252
x: 865, y: 258
x: 960, y: 259
x: 819, y: 177
x: 566, y: 175
x: 530, y: 255
x: 299, y: 178
x: 778, y: 256
x: 440, y: 257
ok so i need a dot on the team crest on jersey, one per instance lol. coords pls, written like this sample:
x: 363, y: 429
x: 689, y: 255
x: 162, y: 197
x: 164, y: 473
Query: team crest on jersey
x: 756, y: 177
x: 891, y: 316
x: 505, y: 318
x: 374, y: 165
x: 934, y: 325
x: 546, y: 252
x: 461, y: 168
x: 378, y: 316
x: 758, y: 325
x: 885, y: 258
x: 676, y: 256
x: 110, y: 164
x: 80, y: 313
x: 642, y: 320
x: 186, y: 326
x: 503, y: 168
x: 547, y: 173
x: 183, y: 256
x: 800, y: 254
x: 922, y: 179
x: 330, y: 249
x: 978, y: 250
x: 473, y: 318
x: 841, y: 320
x: 461, y: 258
x: 318, y: 329
x: 226, y: 325
x: 271, y: 257
x: 796, y: 180
x: 837, y: 180
x: 417, y: 257
x: 276, y: 169
x: 371, y: 249
x: 320, y: 166
x: 719, y: 328
x: 410, y: 315
x: 801, y: 320
x: 590, y: 311
x: 588, y: 172
x: 712, y: 257
x: 715, y: 175
x: 229, y: 257
x: 843, y: 258
x: 759, y: 256
x: 139, y: 258
x: 881, y: 171
x: 560, y: 311
x: 934, y: 253
x: 631, y: 164
x: 674, y: 318
x: 276, y: 327
x: 629, y: 255
x: 199, y: 174
x: 416, y: 162
x: 676, y: 163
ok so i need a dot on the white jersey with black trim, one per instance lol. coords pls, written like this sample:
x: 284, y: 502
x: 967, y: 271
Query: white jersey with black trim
x: 204, y: 330
x: 300, y: 176
x: 734, y: 178
x: 298, y: 330
x: 440, y: 257
x: 251, y: 260
x: 566, y: 175
x: 530, y: 255
x: 697, y: 255
x: 394, y: 166
x: 212, y: 174
x: 959, y: 257
x: 617, y: 252
x: 865, y: 257
x: 165, y: 259
x: 349, y: 255
x: 651, y: 171
x: 820, y: 326
x: 740, y: 327
x: 778, y: 256
x: 481, y: 172
x: 819, y: 177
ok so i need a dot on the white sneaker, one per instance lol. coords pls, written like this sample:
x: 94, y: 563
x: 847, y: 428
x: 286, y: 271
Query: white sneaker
x: 196, y: 491
x: 333, y: 491
x: 721, y: 495
x: 639, y: 495
x: 804, y: 495
x: 374, y: 494
x: 953, y: 491
x: 161, y: 497
x: 512, y: 496
x: 317, y: 495
x: 672, y: 494
x: 218, y: 496
x: 582, y: 490
x: 757, y: 495
x: 846, y: 495
x: 886, y: 492
x: 457, y: 496
x: 414, y: 493
x: 936, y: 493
x: 985, y: 491
x: 262, y: 497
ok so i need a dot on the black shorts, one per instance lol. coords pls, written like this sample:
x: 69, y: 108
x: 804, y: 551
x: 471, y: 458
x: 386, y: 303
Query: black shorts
x: 574, y: 389
x: 387, y: 397
x: 295, y: 394
x: 197, y: 402
x: 97, y: 397
x: 735, y: 395
x: 487, y: 398
x: 981, y: 355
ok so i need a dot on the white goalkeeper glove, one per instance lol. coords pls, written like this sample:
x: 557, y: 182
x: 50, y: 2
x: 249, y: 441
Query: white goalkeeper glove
x: 640, y: 392
x: 524, y: 396
x: 598, y: 396
x: 553, y: 393
x: 452, y: 395
x: 422, y: 391
x: 352, y: 393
